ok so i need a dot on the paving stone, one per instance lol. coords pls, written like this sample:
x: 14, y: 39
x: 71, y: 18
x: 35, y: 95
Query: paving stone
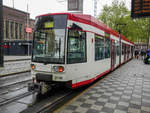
x: 92, y: 111
x: 147, y: 109
x: 110, y: 105
x: 119, y: 111
x: 76, y: 103
x: 138, y: 103
x: 85, y: 105
x: 81, y: 110
x: 120, y: 92
x: 89, y: 101
x: 123, y: 104
x: 115, y: 98
x: 66, y: 111
x: 102, y: 100
x: 71, y: 107
x: 96, y: 107
x: 119, y: 107
x: 107, y: 110
x: 133, y: 110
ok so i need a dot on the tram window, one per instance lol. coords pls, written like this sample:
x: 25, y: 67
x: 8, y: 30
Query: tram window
x: 76, y: 47
x: 102, y: 48
x: 122, y: 49
x: 118, y: 50
x: 99, y: 46
x: 107, y: 46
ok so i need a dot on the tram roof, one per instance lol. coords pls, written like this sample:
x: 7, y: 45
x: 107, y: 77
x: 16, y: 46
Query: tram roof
x: 90, y: 20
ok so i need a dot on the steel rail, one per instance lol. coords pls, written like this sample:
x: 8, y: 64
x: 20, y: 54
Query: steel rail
x: 6, y: 101
x: 15, y: 83
x: 51, y: 105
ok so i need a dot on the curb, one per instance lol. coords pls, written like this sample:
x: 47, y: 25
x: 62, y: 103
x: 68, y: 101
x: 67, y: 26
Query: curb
x: 9, y: 74
x: 16, y: 60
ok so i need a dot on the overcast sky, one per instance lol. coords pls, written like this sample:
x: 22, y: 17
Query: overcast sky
x: 37, y: 7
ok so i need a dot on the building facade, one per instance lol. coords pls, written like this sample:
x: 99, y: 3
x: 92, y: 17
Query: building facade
x: 16, y: 40
x: 83, y: 6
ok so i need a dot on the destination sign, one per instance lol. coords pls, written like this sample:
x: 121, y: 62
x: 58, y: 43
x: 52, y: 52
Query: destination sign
x: 140, y: 8
x: 49, y: 24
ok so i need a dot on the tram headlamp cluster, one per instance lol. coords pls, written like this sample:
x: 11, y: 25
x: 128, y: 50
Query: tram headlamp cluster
x: 58, y: 68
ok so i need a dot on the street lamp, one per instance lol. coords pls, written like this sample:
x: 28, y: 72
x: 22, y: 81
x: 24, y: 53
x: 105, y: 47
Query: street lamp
x: 119, y: 30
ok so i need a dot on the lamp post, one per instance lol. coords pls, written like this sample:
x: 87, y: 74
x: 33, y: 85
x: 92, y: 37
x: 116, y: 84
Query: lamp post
x: 1, y: 34
x: 120, y: 41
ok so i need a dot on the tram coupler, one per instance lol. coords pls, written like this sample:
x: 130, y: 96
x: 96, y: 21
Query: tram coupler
x: 40, y: 88
x: 35, y: 87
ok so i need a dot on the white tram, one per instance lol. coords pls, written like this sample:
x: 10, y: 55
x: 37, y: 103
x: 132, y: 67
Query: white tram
x: 75, y: 50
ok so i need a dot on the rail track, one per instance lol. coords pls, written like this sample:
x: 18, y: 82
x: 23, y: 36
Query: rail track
x: 15, y: 84
x: 49, y: 101
x: 6, y: 101
x: 51, y: 106
x: 14, y: 88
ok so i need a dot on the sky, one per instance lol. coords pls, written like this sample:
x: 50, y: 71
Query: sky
x: 38, y: 7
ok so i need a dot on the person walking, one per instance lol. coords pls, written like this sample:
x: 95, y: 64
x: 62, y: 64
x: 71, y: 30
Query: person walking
x: 136, y: 54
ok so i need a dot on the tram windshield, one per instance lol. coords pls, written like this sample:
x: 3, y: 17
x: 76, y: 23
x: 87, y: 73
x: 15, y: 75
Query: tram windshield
x: 49, y: 39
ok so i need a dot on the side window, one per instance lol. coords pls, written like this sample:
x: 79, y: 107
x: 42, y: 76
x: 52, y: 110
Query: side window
x: 102, y: 47
x: 99, y: 47
x: 107, y: 48
x: 122, y: 49
x: 76, y: 52
x: 118, y: 48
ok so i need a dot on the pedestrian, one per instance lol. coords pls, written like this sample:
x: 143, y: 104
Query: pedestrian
x: 142, y: 54
x: 136, y: 54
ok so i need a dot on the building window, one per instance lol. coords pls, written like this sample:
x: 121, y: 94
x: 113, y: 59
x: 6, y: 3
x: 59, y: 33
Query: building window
x: 16, y: 29
x: 76, y: 47
x: 102, y: 47
x: 12, y: 30
x: 7, y: 29
x: 20, y: 31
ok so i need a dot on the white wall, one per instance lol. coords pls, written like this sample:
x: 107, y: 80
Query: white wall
x: 88, y: 7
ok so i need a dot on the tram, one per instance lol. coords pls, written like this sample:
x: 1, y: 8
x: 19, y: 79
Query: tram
x: 74, y: 50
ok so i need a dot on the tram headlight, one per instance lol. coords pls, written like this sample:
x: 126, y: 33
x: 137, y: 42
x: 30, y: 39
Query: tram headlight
x: 58, y: 68
x: 32, y: 66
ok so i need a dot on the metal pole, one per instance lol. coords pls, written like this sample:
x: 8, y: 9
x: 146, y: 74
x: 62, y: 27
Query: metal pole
x: 27, y: 32
x: 120, y: 47
x: 1, y: 34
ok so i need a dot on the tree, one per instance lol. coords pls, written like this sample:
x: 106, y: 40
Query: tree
x: 135, y: 30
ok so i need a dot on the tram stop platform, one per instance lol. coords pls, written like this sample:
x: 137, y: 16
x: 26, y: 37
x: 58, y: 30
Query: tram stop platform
x: 126, y: 90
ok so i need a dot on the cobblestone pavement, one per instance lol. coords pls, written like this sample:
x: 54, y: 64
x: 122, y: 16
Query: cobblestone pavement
x: 126, y: 90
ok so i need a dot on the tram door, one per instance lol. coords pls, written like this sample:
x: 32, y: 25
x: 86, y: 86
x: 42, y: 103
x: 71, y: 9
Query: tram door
x: 113, y: 55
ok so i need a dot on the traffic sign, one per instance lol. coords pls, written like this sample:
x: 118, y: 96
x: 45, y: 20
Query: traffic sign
x: 28, y: 30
